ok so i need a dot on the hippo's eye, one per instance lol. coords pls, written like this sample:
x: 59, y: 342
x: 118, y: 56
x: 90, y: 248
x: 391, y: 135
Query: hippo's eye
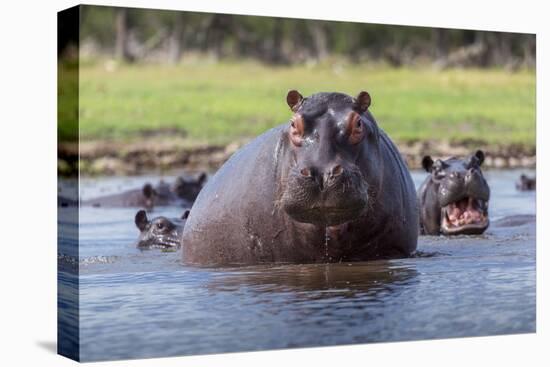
x: 355, y: 128
x: 160, y: 225
x: 296, y: 131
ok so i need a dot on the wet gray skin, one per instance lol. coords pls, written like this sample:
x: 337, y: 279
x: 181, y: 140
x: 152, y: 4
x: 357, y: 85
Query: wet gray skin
x: 526, y: 183
x: 183, y: 192
x: 454, y: 198
x: 327, y: 186
x: 159, y: 232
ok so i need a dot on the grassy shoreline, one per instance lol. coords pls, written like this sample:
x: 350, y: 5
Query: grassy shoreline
x: 219, y: 103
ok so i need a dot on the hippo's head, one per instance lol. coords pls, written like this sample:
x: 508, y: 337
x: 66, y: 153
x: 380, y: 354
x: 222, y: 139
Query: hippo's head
x: 149, y: 195
x: 526, y: 183
x: 326, y: 135
x: 462, y: 193
x: 188, y: 189
x: 159, y: 232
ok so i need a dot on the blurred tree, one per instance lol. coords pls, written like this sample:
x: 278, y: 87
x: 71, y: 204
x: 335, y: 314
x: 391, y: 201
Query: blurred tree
x: 121, y: 28
x: 176, y: 38
x: 142, y: 34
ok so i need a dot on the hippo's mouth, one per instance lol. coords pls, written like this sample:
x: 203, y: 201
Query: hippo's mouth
x: 465, y: 216
x: 162, y: 243
x: 327, y: 215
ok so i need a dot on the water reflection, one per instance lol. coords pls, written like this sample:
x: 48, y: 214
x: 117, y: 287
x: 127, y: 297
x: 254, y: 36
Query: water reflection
x: 318, y: 281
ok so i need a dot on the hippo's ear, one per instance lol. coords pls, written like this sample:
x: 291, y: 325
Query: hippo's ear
x: 148, y: 190
x: 185, y: 214
x: 362, y: 101
x: 480, y: 156
x: 202, y: 178
x: 427, y: 163
x: 141, y: 220
x: 293, y: 99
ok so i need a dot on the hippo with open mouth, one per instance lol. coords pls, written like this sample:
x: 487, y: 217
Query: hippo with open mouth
x: 454, y: 198
x: 327, y: 186
x: 159, y: 232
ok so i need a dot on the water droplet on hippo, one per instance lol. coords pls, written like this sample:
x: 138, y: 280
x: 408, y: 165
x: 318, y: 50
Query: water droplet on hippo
x: 327, y: 239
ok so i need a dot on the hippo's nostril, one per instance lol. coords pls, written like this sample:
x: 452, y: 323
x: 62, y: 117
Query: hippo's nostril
x: 306, y: 172
x: 337, y: 170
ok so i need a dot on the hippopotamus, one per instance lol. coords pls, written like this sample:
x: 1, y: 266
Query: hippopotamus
x: 146, y: 197
x: 526, y: 183
x: 188, y: 188
x: 159, y: 232
x: 454, y: 198
x: 327, y: 186
x: 183, y: 192
x: 64, y: 201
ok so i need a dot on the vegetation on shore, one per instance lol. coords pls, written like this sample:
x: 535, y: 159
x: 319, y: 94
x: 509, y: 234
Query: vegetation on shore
x: 219, y: 103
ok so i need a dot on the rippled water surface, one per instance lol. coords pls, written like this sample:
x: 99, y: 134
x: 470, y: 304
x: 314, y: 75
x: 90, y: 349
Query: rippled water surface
x: 146, y: 303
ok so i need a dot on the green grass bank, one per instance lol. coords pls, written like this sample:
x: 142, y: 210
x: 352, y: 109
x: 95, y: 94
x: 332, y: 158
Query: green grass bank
x: 217, y: 103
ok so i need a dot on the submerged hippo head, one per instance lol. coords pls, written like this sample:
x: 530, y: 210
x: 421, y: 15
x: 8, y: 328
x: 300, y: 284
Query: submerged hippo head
x: 456, y: 197
x: 188, y: 189
x: 159, y: 232
x: 326, y: 133
x: 526, y: 183
x: 149, y: 195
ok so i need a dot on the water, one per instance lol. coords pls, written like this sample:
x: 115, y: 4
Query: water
x: 136, y: 304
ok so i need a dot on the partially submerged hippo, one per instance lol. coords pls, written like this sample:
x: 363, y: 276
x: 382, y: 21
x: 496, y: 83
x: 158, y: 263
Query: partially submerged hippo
x: 188, y: 188
x: 159, y: 232
x: 65, y: 202
x: 146, y: 197
x: 526, y: 183
x: 454, y: 198
x: 329, y: 185
x: 183, y: 192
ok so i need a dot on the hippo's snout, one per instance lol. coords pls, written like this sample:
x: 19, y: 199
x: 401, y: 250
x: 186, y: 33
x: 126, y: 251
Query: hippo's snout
x: 459, y: 185
x: 329, y: 196
x: 326, y: 178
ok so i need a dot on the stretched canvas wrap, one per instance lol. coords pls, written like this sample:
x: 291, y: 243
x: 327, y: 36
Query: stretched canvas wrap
x: 232, y: 183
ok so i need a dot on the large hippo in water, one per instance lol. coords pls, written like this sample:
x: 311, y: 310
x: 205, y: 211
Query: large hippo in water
x: 454, y: 198
x: 327, y: 186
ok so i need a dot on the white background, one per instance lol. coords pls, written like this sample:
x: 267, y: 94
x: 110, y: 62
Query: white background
x: 28, y: 182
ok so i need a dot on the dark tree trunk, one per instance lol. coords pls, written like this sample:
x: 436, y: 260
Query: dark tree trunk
x: 529, y: 47
x: 276, y: 52
x: 440, y: 41
x: 176, y: 39
x: 220, y: 28
x: 121, y: 28
x: 319, y: 35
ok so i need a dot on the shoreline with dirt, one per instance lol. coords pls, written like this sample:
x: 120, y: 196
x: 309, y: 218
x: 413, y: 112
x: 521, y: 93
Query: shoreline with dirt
x: 104, y: 157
